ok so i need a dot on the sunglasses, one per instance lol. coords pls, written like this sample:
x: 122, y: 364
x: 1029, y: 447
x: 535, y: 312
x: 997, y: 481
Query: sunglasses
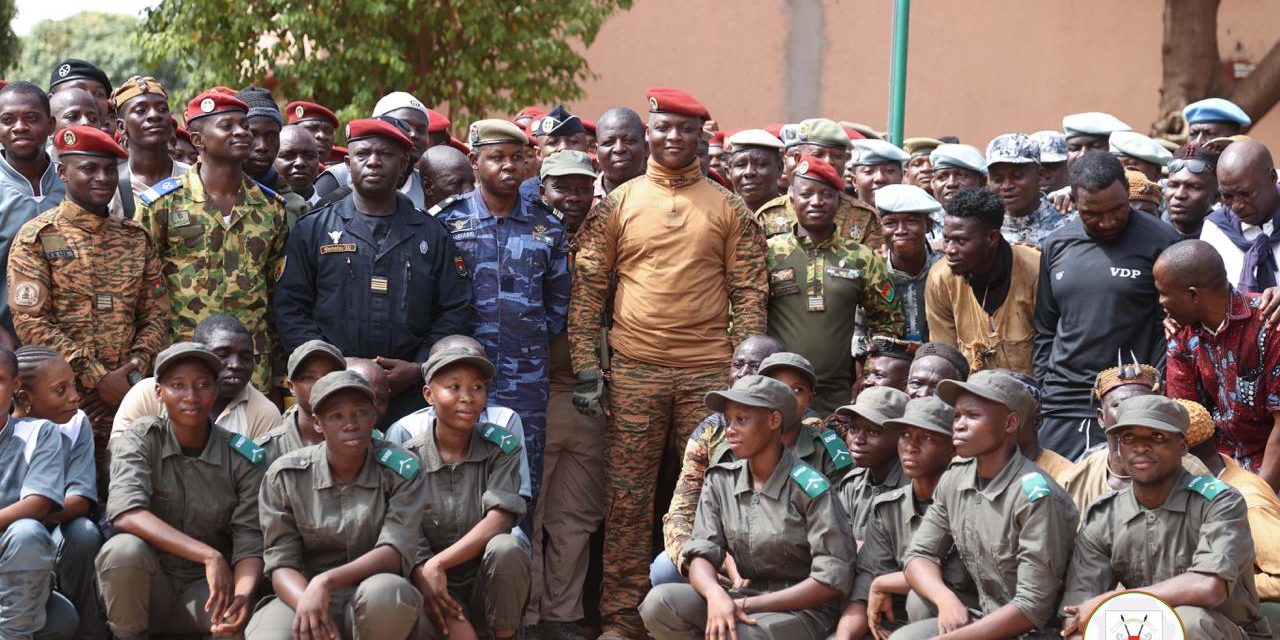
x: 1190, y: 164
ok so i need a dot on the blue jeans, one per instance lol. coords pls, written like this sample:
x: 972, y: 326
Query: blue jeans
x: 663, y: 571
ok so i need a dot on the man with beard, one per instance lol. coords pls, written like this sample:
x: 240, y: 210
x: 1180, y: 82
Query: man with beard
x: 298, y: 162
x: 1191, y: 191
x: 620, y: 149
x: 146, y: 124
x: 754, y: 166
x: 1013, y: 168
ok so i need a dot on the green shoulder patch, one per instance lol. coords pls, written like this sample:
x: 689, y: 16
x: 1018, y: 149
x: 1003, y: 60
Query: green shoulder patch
x: 836, y: 448
x: 402, y: 462
x: 378, y: 435
x: 813, y: 483
x: 499, y: 436
x: 1035, y: 486
x: 249, y: 449
x: 1207, y: 486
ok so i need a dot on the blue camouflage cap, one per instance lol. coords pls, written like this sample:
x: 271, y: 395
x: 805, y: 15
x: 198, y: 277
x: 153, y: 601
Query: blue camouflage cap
x: 1012, y: 148
x: 1053, y: 146
x: 1216, y: 110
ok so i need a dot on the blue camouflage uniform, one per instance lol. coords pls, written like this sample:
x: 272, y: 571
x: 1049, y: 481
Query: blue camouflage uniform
x: 392, y: 298
x: 520, y: 287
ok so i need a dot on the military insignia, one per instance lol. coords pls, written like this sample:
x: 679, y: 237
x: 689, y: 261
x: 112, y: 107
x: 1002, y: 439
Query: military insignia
x: 103, y: 301
x: 782, y: 275
x: 539, y: 230
x: 298, y: 111
x: 887, y: 292
x: 817, y: 303
x: 378, y: 284
x: 157, y: 287
x: 162, y: 188
x: 841, y: 272
x: 27, y: 294
x: 206, y: 105
x: 55, y: 247
x: 335, y: 236
x: 836, y: 448
x: 803, y: 168
x: 422, y: 247
x: 811, y: 481
x: 68, y: 137
x: 143, y: 86
x: 1035, y: 486
x: 653, y: 104
x: 377, y: 434
x: 784, y: 290
x: 1206, y: 486
x: 403, y: 463
x: 460, y: 266
x: 64, y: 70
x: 343, y: 247
x: 249, y: 449
x: 473, y: 134
x: 501, y: 437
x: 179, y: 218
x: 459, y: 225
x: 802, y: 131
x: 348, y: 130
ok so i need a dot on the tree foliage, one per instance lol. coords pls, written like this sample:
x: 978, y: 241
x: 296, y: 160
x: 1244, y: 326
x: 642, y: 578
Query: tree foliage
x: 101, y: 38
x: 10, y: 45
x: 469, y: 58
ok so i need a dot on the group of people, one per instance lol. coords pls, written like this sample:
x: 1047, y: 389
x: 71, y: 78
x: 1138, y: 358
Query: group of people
x: 806, y: 382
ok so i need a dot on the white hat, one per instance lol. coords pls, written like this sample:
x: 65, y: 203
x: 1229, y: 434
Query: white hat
x: 755, y: 138
x: 905, y: 198
x: 872, y: 151
x: 1136, y: 145
x: 956, y: 156
x: 1092, y: 123
x: 398, y: 100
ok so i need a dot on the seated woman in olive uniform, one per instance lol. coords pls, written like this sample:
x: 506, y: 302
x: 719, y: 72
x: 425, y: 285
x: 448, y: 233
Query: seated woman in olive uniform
x: 340, y: 521
x: 471, y: 571
x: 187, y: 553
x: 777, y: 516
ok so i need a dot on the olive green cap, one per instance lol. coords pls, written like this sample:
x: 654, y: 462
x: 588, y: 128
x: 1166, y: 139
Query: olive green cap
x: 311, y: 348
x: 757, y: 391
x: 448, y: 357
x: 991, y: 385
x: 183, y: 350
x: 788, y: 360
x: 877, y: 404
x: 332, y: 383
x: 929, y: 413
x: 1153, y: 412
x: 819, y: 131
x: 495, y: 131
x: 567, y: 162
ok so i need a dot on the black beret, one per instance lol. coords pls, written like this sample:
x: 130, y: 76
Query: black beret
x: 74, y: 69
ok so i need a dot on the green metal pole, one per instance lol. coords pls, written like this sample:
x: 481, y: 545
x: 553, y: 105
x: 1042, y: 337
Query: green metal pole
x: 898, y: 71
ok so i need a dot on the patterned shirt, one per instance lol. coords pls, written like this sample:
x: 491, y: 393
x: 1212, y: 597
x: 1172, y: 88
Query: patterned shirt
x: 855, y: 219
x: 1235, y: 373
x: 1033, y: 227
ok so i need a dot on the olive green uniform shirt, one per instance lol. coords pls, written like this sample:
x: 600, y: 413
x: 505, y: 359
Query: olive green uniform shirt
x: 312, y: 523
x: 814, y: 294
x: 858, y: 489
x: 1014, y: 535
x: 212, y: 497
x: 1202, y: 527
x: 792, y: 529
x: 895, y: 516
x: 855, y: 219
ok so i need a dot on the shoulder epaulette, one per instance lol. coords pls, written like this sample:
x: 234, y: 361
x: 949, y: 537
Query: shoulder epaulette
x: 159, y: 190
x: 31, y: 230
x: 300, y: 459
x: 400, y: 461
x: 812, y: 482
x: 836, y: 448
x: 378, y: 435
x: 271, y: 194
x: 499, y: 436
x: 1206, y: 486
x: 247, y: 448
x: 1035, y: 486
x: 443, y: 204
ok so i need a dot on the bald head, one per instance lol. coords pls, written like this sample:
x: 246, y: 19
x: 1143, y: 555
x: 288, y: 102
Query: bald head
x: 620, y: 118
x: 445, y: 172
x: 74, y: 107
x: 377, y: 378
x: 1193, y: 263
x: 1247, y: 181
x: 748, y: 356
x: 620, y: 146
x: 298, y: 160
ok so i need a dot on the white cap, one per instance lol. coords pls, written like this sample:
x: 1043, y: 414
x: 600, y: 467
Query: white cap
x: 956, y: 156
x: 1092, y: 123
x: 905, y: 198
x: 398, y: 100
x: 872, y: 151
x: 755, y: 138
x: 1136, y: 145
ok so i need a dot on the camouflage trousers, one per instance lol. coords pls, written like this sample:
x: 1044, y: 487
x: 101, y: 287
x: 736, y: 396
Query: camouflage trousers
x: 653, y: 410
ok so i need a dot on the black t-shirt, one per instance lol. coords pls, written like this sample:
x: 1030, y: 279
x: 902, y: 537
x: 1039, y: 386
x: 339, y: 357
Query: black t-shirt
x: 1095, y: 300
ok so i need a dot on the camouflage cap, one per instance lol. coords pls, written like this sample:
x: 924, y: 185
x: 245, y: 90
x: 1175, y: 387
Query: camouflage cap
x: 449, y: 357
x: 1012, y: 148
x: 872, y: 151
x: 180, y: 351
x: 929, y: 413
x: 1153, y: 412
x: 1053, y: 146
x: 957, y: 156
x: 819, y: 131
x: 990, y: 385
x: 1136, y: 145
x: 757, y: 391
x: 312, y: 348
x: 788, y: 360
x: 877, y: 404
x: 567, y: 162
x: 332, y: 383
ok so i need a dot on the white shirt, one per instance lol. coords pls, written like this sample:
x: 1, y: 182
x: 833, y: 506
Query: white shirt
x: 1232, y: 257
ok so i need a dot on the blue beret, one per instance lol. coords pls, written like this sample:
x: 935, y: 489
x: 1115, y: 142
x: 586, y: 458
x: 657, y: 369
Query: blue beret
x: 1215, y: 110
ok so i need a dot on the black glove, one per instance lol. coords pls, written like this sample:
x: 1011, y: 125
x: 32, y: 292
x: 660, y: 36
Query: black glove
x: 589, y: 393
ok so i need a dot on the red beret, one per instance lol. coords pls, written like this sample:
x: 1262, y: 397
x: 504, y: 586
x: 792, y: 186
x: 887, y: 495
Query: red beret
x: 819, y: 170
x: 369, y: 127
x: 668, y: 100
x: 299, y: 110
x: 88, y: 141
x: 530, y: 112
x: 853, y: 134
x: 590, y: 126
x: 774, y: 129
x: 437, y: 122
x: 457, y: 144
x: 337, y: 154
x: 212, y: 102
x: 717, y: 139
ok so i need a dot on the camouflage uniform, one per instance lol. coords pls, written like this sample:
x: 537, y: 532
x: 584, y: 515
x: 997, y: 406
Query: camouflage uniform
x: 1033, y: 227
x: 520, y: 290
x: 814, y: 291
x: 854, y: 219
x: 211, y: 266
x: 90, y: 287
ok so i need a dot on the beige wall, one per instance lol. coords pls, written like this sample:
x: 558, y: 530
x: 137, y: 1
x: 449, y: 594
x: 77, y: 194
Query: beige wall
x: 977, y: 68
